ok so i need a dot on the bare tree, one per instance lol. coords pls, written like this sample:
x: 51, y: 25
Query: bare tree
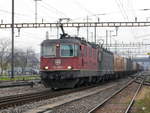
x: 20, y: 59
x: 4, y: 54
x: 25, y: 59
x: 32, y: 58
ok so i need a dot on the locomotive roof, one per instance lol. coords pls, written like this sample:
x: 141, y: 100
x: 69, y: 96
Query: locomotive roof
x: 69, y: 40
x: 49, y: 41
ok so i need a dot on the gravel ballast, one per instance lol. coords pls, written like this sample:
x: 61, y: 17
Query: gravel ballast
x: 20, y: 90
x: 80, y: 106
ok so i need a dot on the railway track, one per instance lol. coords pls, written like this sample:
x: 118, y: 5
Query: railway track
x: 6, y: 84
x: 75, y: 103
x: 20, y: 99
x: 100, y: 106
x: 17, y: 84
x: 12, y: 81
x: 133, y: 98
x: 17, y: 100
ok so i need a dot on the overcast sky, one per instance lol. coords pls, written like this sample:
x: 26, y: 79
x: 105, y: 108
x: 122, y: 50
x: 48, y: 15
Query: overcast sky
x: 77, y: 10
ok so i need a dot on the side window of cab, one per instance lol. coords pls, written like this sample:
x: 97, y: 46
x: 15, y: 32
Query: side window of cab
x: 85, y: 52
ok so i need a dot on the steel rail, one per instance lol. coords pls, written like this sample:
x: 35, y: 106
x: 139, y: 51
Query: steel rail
x: 133, y: 99
x: 21, y: 98
x: 16, y: 100
x: 17, y: 85
x: 107, y: 99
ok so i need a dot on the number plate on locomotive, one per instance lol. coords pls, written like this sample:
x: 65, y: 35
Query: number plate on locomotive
x: 57, y: 62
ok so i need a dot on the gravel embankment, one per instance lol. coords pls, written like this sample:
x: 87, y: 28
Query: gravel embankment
x: 86, y: 104
x: 80, y: 106
x: 120, y: 102
x: 20, y: 90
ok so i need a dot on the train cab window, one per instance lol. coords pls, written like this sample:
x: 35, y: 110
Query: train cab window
x: 76, y: 50
x: 66, y: 50
x: 85, y: 51
x: 48, y: 51
x: 90, y: 52
x: 94, y: 53
x: 69, y: 50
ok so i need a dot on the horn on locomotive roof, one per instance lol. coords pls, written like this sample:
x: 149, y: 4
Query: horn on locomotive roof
x: 62, y: 29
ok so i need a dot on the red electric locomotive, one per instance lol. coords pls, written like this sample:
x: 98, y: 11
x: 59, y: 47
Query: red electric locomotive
x: 67, y: 61
x: 70, y: 61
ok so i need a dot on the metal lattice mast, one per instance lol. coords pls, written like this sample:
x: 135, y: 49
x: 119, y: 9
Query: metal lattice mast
x: 12, y: 55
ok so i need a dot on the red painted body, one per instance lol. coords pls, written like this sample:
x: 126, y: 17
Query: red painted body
x: 85, y: 61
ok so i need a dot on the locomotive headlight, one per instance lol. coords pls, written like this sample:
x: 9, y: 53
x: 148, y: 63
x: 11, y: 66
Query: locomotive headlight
x: 57, y: 45
x: 69, y: 67
x: 46, y: 67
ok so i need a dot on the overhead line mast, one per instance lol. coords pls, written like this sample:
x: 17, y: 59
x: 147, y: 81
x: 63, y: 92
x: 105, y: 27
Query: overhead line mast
x: 36, y: 12
x: 12, y: 55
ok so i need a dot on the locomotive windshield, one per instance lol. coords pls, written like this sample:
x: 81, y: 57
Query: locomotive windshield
x: 49, y: 51
x: 69, y: 50
x: 65, y: 50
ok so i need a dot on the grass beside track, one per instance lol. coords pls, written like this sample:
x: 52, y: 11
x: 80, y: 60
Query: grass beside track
x: 143, y: 101
x: 147, y: 78
x: 25, y: 77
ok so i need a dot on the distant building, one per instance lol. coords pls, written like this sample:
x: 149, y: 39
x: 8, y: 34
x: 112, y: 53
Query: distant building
x: 25, y: 71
